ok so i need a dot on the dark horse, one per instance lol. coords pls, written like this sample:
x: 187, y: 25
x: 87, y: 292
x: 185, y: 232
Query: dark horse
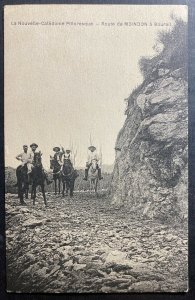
x: 22, y: 183
x: 68, y: 177
x: 55, y: 166
x: 38, y: 177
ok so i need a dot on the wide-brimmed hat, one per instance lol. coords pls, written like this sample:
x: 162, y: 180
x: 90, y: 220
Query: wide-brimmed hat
x: 56, y: 149
x: 68, y: 150
x: 33, y: 144
x: 92, y: 148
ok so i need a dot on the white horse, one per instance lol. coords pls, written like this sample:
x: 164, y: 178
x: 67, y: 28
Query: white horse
x: 93, y: 176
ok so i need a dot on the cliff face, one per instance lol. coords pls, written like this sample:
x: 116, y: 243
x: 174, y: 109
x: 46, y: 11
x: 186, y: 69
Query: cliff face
x: 151, y: 172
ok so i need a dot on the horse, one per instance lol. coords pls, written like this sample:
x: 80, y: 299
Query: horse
x: 38, y: 177
x: 22, y: 183
x: 55, y: 166
x: 93, y: 176
x: 68, y: 177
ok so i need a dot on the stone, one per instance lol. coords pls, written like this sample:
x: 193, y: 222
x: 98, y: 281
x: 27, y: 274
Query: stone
x: 68, y: 264
x: 95, y: 273
x: 42, y: 272
x: 24, y: 210
x: 149, y: 88
x: 115, y: 256
x: 120, y: 268
x: 169, y: 238
x: 31, y: 257
x: 33, y: 223
x: 141, y: 100
x: 78, y: 267
x: 105, y: 289
x: 162, y: 72
x: 178, y: 73
x: 144, y: 286
x: 166, y: 82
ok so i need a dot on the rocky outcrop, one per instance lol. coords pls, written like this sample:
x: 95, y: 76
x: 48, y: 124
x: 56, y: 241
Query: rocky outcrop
x: 151, y: 172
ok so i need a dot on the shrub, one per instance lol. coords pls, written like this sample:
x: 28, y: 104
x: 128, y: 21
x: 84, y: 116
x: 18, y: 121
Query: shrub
x: 174, y: 50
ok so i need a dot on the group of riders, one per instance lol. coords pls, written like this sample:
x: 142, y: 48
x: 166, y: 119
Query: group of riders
x: 27, y: 159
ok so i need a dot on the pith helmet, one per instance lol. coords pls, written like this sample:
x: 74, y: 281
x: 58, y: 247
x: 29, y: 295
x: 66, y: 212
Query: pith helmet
x: 56, y: 149
x: 33, y: 144
x: 92, y: 148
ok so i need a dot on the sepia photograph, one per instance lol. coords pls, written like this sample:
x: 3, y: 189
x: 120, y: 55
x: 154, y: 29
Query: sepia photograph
x: 96, y: 148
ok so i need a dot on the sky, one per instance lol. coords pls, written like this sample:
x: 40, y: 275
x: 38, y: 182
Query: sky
x: 65, y: 83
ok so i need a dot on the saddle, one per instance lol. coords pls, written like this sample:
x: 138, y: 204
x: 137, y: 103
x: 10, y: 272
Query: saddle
x: 22, y: 167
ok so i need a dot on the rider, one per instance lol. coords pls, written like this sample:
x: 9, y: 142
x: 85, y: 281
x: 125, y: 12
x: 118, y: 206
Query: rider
x: 31, y: 162
x: 92, y: 156
x: 24, y: 158
x: 68, y: 155
x: 58, y: 155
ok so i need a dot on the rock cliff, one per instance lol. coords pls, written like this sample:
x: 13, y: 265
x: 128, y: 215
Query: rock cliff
x: 151, y: 170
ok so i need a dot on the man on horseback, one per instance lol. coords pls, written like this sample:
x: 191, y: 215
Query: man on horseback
x: 24, y: 157
x: 31, y: 162
x: 58, y: 155
x: 92, y: 156
x: 68, y: 155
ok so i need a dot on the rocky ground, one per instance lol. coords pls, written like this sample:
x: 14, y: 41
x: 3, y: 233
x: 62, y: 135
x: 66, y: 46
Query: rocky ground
x: 85, y: 245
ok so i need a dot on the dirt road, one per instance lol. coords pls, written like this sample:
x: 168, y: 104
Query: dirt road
x: 85, y: 245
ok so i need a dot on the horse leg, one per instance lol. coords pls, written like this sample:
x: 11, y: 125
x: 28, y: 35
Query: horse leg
x: 96, y: 183
x: 59, y: 183
x: 20, y: 193
x: 55, y: 186
x: 43, y: 192
x: 90, y: 186
x: 33, y: 193
x: 93, y: 187
x: 71, y: 189
x: 63, y: 188
x: 26, y: 192
x: 67, y: 188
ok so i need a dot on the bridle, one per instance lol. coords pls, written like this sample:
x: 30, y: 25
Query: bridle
x: 69, y: 174
x: 55, y: 173
x: 37, y: 160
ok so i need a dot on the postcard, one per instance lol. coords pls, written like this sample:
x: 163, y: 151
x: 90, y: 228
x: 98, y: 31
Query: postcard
x: 96, y: 148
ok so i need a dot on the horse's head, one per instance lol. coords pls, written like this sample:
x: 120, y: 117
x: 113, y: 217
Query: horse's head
x: 67, y: 167
x: 37, y: 159
x: 51, y: 162
x: 94, y: 164
x: 93, y: 168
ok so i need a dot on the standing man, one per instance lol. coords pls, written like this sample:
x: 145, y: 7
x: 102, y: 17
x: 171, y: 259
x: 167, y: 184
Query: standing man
x: 31, y: 162
x: 92, y: 156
